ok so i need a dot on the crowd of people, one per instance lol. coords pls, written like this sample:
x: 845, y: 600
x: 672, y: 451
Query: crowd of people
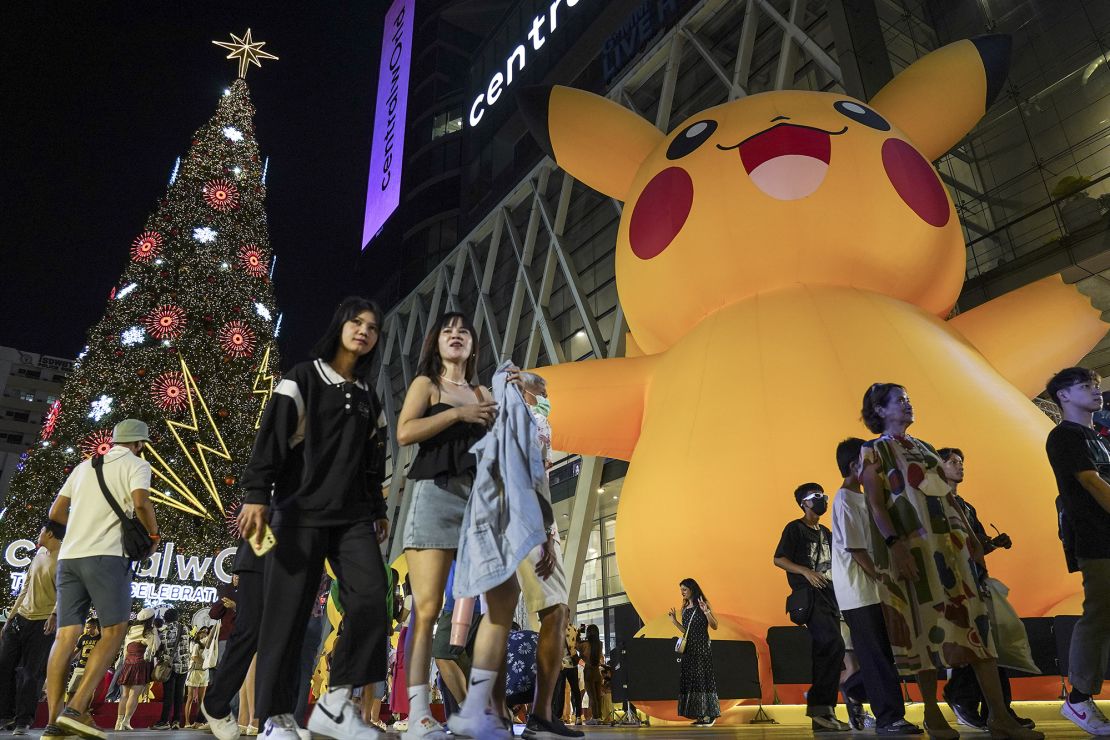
x: 900, y: 586
x: 897, y: 587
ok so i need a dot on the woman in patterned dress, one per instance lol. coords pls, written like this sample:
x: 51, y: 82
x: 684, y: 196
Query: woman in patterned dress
x: 935, y: 614
x: 697, y: 690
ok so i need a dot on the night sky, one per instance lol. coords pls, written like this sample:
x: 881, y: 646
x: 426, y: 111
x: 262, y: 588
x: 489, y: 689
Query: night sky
x: 100, y: 98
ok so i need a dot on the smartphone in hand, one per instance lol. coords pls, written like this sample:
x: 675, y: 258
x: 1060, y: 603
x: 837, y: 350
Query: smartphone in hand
x: 267, y: 543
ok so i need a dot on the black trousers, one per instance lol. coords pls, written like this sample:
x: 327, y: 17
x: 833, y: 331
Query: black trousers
x: 24, y: 649
x: 828, y: 656
x: 173, y: 698
x: 292, y: 578
x: 963, y: 689
x: 876, y: 663
x: 558, y: 700
x: 241, y: 646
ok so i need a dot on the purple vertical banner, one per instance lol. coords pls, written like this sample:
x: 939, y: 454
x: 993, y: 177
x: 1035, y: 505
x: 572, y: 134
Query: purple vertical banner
x: 387, y: 147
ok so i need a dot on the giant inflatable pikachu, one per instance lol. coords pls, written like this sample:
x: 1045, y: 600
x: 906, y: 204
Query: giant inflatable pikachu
x: 777, y: 254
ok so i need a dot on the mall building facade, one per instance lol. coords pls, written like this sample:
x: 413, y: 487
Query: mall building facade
x: 535, y: 263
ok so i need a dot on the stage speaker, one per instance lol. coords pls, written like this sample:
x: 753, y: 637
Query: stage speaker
x: 791, y: 654
x: 1063, y: 626
x: 654, y: 669
x: 1042, y: 644
x: 626, y: 623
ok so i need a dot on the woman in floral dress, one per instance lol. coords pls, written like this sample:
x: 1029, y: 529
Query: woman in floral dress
x: 697, y: 691
x: 935, y: 614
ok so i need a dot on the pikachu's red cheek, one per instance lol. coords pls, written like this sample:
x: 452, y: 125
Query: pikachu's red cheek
x: 660, y: 212
x: 916, y: 182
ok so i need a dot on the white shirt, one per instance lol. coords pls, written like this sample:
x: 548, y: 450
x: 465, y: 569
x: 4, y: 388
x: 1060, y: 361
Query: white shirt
x: 93, y: 528
x: 851, y: 530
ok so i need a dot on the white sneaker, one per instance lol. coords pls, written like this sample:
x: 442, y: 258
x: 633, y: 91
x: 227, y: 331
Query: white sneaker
x: 486, y: 726
x: 425, y: 728
x: 337, y: 717
x: 1087, y: 716
x: 281, y: 727
x: 304, y: 734
x: 224, y: 728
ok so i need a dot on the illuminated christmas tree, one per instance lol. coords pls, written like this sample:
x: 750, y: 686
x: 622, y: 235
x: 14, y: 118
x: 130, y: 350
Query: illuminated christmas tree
x: 186, y: 343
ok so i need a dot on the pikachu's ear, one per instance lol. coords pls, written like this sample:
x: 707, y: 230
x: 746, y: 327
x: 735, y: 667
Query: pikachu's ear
x: 940, y: 97
x: 594, y: 139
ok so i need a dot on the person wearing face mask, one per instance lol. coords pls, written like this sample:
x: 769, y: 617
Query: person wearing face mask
x: 805, y: 553
x: 544, y: 582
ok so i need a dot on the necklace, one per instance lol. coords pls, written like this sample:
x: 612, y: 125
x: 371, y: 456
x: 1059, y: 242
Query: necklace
x: 460, y: 384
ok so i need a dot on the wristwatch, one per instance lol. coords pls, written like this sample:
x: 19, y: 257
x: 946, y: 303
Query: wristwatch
x: 891, y: 540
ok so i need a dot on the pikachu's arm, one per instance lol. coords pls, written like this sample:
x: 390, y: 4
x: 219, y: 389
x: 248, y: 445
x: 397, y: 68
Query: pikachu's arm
x: 597, y: 406
x: 1032, y: 332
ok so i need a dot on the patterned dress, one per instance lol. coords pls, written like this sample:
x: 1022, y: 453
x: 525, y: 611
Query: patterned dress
x: 697, y: 689
x: 942, y: 619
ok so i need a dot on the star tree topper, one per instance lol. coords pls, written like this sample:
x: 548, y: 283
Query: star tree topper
x: 246, y: 50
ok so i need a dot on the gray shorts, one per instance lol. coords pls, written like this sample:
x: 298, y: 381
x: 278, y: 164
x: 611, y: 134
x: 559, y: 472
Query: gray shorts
x: 100, y: 581
x: 435, y: 514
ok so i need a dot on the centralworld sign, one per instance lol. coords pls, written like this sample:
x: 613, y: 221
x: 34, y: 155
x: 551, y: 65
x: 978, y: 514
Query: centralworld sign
x: 383, y: 191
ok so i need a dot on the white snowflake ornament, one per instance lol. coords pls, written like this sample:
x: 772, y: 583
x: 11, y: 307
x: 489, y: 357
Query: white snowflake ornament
x: 132, y: 336
x: 233, y: 134
x: 101, y: 407
x: 204, y: 234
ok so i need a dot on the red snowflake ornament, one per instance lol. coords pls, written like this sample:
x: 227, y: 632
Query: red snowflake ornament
x: 50, y: 423
x: 254, y: 260
x: 165, y: 322
x: 146, y: 246
x: 169, y: 391
x: 97, y: 443
x: 237, y: 339
x: 221, y: 195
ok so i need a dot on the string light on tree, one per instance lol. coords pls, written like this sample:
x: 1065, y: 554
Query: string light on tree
x: 204, y: 234
x: 100, y: 407
x: 126, y: 290
x: 262, y: 311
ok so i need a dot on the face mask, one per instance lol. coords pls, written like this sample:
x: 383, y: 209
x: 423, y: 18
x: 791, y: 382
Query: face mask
x: 543, y: 406
x: 820, y: 506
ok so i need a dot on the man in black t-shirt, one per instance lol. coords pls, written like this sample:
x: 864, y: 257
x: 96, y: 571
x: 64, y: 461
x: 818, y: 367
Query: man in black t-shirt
x: 805, y: 553
x: 1080, y: 459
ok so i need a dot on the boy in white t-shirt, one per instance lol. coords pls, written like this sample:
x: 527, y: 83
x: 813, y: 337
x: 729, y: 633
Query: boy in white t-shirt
x: 855, y: 581
x: 543, y: 583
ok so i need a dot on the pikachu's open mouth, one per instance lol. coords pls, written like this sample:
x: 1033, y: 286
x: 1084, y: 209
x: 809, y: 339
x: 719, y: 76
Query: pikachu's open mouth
x: 787, y: 161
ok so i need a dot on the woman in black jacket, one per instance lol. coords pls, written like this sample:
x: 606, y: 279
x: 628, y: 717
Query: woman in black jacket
x: 322, y: 436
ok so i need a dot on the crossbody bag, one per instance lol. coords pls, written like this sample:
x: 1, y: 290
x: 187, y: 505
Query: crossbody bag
x: 136, y: 540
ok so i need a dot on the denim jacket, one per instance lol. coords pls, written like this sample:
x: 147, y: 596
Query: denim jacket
x: 503, y: 521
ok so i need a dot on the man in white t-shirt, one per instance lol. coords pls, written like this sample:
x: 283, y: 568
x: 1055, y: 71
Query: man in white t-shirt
x: 94, y: 571
x: 857, y: 592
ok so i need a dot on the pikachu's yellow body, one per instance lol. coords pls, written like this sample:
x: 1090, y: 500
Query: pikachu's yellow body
x: 778, y: 254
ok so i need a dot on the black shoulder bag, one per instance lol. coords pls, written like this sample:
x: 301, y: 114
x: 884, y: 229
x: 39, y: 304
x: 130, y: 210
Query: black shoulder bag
x: 136, y: 540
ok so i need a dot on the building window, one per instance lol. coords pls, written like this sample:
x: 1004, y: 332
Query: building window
x: 446, y: 123
x: 11, y: 438
x: 18, y: 415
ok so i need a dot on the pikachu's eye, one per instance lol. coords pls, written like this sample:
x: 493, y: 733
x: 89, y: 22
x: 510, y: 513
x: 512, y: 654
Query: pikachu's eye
x: 861, y: 114
x: 690, y: 138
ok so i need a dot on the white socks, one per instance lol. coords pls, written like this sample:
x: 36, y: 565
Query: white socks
x: 418, y: 703
x: 478, y: 692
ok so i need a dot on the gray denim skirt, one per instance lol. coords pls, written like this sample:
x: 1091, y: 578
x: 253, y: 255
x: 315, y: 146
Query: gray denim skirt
x: 435, y: 514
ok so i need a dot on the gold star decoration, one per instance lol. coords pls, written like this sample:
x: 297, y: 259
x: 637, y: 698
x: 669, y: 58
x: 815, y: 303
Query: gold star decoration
x: 246, y: 50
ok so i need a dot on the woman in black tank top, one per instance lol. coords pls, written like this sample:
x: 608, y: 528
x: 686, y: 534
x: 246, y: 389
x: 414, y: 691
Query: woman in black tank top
x: 446, y: 415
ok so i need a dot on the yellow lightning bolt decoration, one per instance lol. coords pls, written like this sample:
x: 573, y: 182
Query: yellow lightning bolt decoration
x: 198, y: 461
x: 263, y: 384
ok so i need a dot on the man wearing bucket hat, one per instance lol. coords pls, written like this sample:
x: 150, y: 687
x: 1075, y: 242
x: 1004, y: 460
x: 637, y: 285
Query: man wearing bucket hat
x: 94, y: 571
